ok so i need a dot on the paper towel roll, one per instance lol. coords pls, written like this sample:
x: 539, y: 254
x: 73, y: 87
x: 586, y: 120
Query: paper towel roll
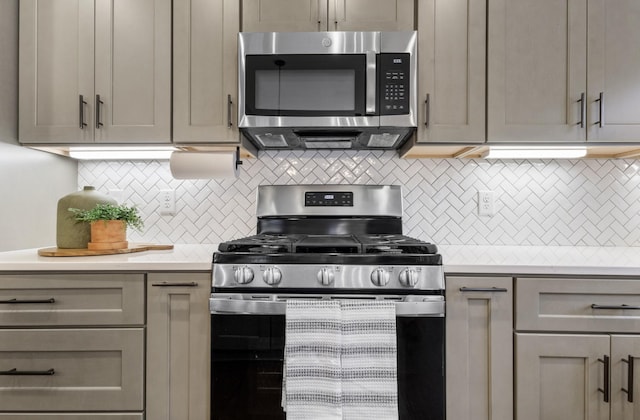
x: 203, y: 165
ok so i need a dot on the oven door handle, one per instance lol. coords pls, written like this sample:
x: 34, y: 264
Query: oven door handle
x: 222, y: 306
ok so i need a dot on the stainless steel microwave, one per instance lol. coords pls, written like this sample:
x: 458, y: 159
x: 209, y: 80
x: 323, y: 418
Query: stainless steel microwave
x: 327, y: 90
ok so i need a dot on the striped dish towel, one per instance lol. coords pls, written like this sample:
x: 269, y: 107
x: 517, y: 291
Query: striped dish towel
x: 369, y: 360
x: 312, y: 372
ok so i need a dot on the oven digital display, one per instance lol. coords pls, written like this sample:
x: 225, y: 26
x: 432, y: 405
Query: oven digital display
x: 328, y: 199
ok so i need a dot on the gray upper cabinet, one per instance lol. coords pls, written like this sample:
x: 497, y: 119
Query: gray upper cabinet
x: 327, y: 15
x: 205, y: 48
x: 452, y: 77
x: 95, y: 71
x: 549, y: 62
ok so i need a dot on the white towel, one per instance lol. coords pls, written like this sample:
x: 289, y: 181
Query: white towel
x: 340, y: 360
x: 312, y: 384
x: 369, y: 360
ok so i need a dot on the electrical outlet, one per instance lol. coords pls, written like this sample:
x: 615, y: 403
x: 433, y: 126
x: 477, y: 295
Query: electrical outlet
x: 167, y: 202
x: 486, y: 205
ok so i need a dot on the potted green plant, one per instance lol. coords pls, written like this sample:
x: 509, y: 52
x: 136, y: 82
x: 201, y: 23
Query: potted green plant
x: 109, y: 224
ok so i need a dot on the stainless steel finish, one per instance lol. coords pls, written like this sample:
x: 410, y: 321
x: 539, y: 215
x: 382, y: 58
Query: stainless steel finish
x: 272, y: 275
x: 81, y: 105
x: 380, y: 277
x: 305, y: 276
x: 274, y: 304
x: 408, y: 277
x: 242, y: 275
x: 582, y: 110
x: 427, y: 112
x: 600, y: 100
x: 370, y: 105
x: 316, y: 43
x: 623, y: 306
x: 99, y: 102
x: 229, y: 108
x: 326, y: 276
x: 368, y: 200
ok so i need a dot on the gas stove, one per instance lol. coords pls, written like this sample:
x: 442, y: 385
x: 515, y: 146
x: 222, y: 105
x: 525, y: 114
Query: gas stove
x: 346, y: 237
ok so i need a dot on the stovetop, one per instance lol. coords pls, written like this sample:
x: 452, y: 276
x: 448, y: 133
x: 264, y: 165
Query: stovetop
x: 379, y: 244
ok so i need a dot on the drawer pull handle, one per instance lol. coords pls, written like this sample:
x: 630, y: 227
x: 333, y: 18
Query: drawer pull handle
x: 175, y: 284
x: 483, y: 289
x: 623, y: 306
x: 629, y: 390
x: 16, y: 301
x: 605, y: 391
x: 16, y: 372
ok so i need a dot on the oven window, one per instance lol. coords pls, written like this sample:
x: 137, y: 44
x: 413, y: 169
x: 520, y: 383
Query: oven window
x: 246, y: 367
x: 305, y: 85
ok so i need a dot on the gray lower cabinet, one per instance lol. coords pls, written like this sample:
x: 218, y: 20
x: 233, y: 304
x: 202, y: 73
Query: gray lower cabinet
x: 575, y: 346
x: 178, y: 342
x: 479, y: 356
x: 72, y: 346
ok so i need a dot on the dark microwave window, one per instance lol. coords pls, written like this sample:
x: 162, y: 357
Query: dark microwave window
x: 306, y: 90
x: 305, y: 85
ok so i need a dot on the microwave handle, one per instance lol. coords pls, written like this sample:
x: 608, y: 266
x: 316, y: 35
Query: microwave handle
x: 370, y: 105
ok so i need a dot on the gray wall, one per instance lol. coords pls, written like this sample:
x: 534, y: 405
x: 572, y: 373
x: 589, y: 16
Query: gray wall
x: 31, y: 182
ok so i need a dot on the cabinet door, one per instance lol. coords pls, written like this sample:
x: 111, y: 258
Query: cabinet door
x: 479, y: 348
x: 558, y: 376
x: 536, y: 71
x: 452, y: 57
x: 371, y: 15
x: 623, y: 405
x: 205, y: 63
x: 284, y: 15
x: 614, y: 70
x: 56, y: 69
x: 178, y: 343
x: 133, y: 71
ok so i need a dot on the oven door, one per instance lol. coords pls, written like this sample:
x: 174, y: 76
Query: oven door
x: 247, y: 350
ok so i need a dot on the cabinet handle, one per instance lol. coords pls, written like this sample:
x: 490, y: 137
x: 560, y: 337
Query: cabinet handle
x: 623, y: 306
x: 605, y: 391
x: 82, y: 103
x: 229, y: 103
x: 16, y: 301
x: 175, y: 284
x: 483, y: 289
x: 629, y: 389
x: 427, y: 110
x: 16, y: 372
x: 98, y: 103
x: 582, y: 110
x: 600, y: 101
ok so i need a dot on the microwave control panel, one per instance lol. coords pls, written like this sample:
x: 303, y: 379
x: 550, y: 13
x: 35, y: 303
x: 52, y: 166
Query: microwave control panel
x: 393, y: 92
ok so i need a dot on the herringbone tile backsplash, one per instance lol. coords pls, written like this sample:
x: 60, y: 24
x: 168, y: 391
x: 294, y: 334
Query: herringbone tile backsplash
x: 542, y: 202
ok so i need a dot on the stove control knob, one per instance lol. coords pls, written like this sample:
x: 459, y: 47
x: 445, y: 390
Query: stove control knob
x: 243, y: 275
x: 380, y: 277
x: 408, y: 277
x: 272, y: 276
x: 325, y: 276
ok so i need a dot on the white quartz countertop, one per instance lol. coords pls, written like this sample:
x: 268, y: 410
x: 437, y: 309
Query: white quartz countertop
x: 458, y: 259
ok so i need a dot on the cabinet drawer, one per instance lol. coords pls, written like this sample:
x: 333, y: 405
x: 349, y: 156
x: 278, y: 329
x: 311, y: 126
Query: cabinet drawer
x: 593, y: 305
x: 69, y: 416
x: 71, y: 299
x: 91, y: 370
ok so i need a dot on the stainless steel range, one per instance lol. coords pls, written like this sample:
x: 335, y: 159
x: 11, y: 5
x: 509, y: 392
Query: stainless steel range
x: 323, y: 242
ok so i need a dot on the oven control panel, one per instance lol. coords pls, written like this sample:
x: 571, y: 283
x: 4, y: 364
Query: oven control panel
x: 328, y: 199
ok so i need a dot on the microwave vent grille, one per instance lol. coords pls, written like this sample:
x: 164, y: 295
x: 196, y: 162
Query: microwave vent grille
x: 272, y: 140
x: 382, y: 139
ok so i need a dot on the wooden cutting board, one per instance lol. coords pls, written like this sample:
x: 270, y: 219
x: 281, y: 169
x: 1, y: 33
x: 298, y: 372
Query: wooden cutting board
x: 62, y: 252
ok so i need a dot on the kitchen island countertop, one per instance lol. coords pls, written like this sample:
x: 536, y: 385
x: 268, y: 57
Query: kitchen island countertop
x: 458, y: 259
